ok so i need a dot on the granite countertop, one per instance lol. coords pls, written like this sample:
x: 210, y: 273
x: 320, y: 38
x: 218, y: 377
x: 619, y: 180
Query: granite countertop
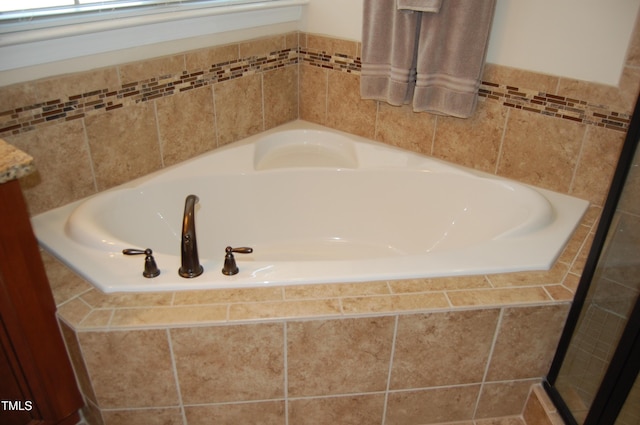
x: 13, y: 163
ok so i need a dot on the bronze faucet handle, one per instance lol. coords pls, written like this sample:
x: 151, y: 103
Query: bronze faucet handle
x: 150, y: 267
x: 230, y: 268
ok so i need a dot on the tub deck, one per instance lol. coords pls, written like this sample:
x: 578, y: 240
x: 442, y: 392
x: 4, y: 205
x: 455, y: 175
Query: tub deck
x: 84, y: 307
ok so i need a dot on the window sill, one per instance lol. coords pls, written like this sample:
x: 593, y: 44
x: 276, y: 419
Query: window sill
x: 45, y: 45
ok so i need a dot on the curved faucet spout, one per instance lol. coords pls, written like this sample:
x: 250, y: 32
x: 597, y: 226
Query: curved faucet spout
x: 189, y: 246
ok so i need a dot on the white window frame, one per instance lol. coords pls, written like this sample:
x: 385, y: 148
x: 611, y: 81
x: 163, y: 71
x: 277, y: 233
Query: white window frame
x: 40, y: 43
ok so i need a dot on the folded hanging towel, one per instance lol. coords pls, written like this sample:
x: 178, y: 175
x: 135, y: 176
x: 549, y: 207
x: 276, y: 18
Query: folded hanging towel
x: 452, y: 48
x: 444, y: 52
x: 420, y: 5
x: 388, y: 52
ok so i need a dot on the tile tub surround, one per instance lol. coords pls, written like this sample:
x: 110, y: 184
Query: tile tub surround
x: 414, y: 351
x: 93, y: 130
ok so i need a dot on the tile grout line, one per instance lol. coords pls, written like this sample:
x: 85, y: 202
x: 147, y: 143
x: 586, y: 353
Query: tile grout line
x: 175, y: 376
x: 393, y: 350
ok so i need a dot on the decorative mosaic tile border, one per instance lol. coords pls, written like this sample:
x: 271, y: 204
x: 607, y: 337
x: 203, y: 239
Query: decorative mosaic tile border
x: 554, y: 106
x: 30, y: 117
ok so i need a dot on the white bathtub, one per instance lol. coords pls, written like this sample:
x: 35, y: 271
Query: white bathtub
x: 317, y: 206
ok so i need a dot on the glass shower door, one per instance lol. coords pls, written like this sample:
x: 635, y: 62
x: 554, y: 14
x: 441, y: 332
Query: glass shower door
x: 593, y: 379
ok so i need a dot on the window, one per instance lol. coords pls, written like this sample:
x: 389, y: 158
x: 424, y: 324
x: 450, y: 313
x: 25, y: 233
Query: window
x: 57, y: 12
x: 34, y: 32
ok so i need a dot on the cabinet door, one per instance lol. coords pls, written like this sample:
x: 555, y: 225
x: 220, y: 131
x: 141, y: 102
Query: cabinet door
x: 16, y: 406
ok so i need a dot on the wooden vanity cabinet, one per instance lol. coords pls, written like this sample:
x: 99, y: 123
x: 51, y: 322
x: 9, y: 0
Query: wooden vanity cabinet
x: 37, y: 384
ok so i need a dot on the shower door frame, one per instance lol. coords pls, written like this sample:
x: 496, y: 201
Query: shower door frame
x: 625, y: 364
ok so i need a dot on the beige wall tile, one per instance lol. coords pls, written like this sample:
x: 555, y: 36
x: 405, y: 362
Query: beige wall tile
x: 327, y: 357
x: 92, y: 414
x: 348, y: 410
x: 292, y: 40
x: 313, y: 94
x: 620, y: 99
x: 263, y: 413
x: 439, y: 284
x: 393, y: 303
x: 138, y: 317
x: 346, y: 111
x: 574, y: 245
x: 204, y: 58
x: 99, y: 299
x: 230, y: 363
x: 630, y: 199
x: 166, y: 416
x: 63, y: 166
x: 598, y: 160
x: 152, y: 68
x: 400, y: 126
x: 74, y: 312
x: 238, y: 105
x: 629, y: 89
x: 510, y: 420
x: 526, y: 342
x: 275, y: 309
x: 474, y: 142
x: 280, y: 96
x: 221, y: 296
x: 555, y: 275
x: 529, y: 137
x: 44, y: 90
x: 262, y: 46
x: 186, y: 125
x: 534, y: 412
x: 432, y: 406
x: 633, y: 53
x: 442, y: 349
x: 336, y: 290
x: 332, y: 46
x: 97, y: 319
x: 497, y: 297
x: 75, y: 356
x: 581, y: 258
x: 560, y: 292
x: 503, y: 398
x: 130, y: 369
x: 124, y: 144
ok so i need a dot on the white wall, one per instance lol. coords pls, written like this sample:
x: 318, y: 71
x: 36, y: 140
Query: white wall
x: 582, y: 39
